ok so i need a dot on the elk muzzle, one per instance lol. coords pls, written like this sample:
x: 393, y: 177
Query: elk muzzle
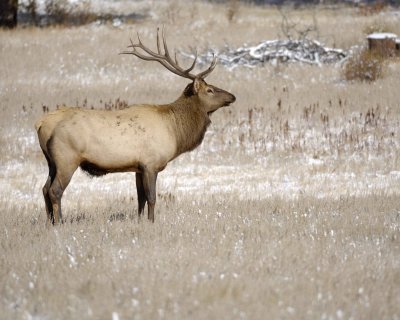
x: 231, y: 99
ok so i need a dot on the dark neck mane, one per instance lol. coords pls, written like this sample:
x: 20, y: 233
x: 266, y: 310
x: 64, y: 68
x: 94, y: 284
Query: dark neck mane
x: 189, y: 121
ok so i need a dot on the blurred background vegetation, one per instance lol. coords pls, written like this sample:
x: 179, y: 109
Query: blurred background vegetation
x: 64, y: 12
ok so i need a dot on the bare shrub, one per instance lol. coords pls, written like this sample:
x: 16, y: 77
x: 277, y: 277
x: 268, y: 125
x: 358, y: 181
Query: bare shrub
x: 367, y: 65
x: 58, y: 10
x: 297, y: 30
x: 172, y: 11
x: 368, y: 9
x: 31, y: 8
x: 62, y: 12
x: 233, y: 8
x: 118, y: 104
x: 382, y: 25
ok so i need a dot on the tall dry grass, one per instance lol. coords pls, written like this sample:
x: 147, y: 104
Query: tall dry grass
x: 210, y: 258
x: 289, y: 209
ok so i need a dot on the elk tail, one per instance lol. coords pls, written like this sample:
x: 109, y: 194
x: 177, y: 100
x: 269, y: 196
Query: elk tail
x: 38, y: 124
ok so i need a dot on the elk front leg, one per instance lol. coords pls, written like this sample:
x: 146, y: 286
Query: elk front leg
x: 149, y: 184
x: 140, y: 193
x: 55, y: 193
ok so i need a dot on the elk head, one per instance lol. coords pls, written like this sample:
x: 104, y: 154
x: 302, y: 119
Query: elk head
x: 211, y: 97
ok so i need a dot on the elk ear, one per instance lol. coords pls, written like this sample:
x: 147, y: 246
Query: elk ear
x: 188, y: 92
x: 196, y: 85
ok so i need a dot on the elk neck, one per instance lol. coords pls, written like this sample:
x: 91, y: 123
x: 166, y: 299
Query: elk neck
x: 189, y: 121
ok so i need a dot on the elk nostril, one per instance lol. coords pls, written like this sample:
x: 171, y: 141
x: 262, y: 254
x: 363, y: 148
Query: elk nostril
x: 233, y: 98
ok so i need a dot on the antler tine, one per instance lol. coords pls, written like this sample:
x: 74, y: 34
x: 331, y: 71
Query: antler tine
x: 176, y: 60
x: 176, y: 64
x: 205, y: 73
x: 166, y: 52
x: 165, y: 58
x: 131, y: 46
x: 147, y: 50
x: 138, y: 37
x: 152, y: 57
x: 193, y: 64
x: 158, y: 41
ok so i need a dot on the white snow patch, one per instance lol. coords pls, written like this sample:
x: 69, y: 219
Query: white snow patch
x: 382, y: 35
x: 115, y: 316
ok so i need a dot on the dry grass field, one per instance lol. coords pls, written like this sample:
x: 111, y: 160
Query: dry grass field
x: 290, y: 209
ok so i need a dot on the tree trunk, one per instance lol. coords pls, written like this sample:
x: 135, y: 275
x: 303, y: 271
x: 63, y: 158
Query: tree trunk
x: 8, y: 13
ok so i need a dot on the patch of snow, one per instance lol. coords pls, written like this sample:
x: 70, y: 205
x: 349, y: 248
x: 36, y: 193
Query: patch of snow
x: 382, y: 35
x: 117, y: 23
x: 274, y: 51
x: 115, y: 316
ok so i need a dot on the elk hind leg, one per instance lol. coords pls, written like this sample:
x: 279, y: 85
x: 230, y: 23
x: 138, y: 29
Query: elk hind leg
x: 60, y: 183
x: 140, y: 193
x: 46, y: 187
x: 47, y: 200
x: 149, y: 184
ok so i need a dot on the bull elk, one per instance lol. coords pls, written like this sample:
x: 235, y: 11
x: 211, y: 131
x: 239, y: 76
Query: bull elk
x: 140, y: 138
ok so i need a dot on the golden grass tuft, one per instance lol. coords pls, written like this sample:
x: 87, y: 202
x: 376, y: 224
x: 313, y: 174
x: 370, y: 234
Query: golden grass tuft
x: 367, y: 65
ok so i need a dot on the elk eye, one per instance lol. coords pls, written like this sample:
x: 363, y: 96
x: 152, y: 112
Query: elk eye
x: 209, y: 90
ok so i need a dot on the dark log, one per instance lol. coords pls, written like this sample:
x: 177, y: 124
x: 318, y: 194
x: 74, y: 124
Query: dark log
x: 8, y: 13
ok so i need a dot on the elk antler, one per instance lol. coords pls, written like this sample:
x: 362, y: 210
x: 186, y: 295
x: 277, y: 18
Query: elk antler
x: 166, y: 60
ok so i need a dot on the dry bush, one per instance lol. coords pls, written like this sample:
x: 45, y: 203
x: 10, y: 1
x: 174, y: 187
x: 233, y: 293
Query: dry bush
x: 367, y: 65
x: 233, y: 9
x: 369, y: 9
x: 296, y: 29
x: 58, y: 11
x: 172, y: 11
x: 117, y: 104
x: 382, y: 25
x: 62, y: 12
x: 31, y: 8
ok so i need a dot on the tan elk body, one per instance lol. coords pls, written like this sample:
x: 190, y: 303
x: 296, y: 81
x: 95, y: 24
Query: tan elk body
x: 140, y: 138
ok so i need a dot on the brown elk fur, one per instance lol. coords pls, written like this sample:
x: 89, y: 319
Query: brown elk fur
x: 141, y: 139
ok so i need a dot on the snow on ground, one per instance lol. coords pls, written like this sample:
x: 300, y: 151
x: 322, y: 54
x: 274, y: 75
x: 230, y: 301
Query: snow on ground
x: 202, y: 176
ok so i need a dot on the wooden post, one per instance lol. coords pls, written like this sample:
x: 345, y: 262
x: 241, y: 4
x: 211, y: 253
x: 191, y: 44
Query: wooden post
x: 8, y: 13
x: 383, y: 43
